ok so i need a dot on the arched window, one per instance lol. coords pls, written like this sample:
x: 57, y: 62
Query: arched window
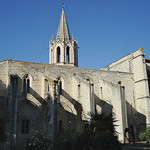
x: 26, y: 84
x: 46, y: 86
x: 58, y: 54
x: 60, y: 85
x: 68, y: 54
x: 25, y: 126
x: 119, y: 82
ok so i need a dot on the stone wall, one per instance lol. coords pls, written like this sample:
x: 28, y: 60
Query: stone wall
x: 80, y: 91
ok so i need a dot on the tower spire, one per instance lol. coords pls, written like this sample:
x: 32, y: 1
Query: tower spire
x: 63, y: 30
x: 63, y: 50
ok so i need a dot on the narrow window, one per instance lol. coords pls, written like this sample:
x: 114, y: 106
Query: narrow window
x: 68, y: 54
x: 58, y: 54
x: 101, y: 92
x: 75, y: 56
x: 26, y: 84
x: 25, y: 126
x: 46, y: 86
x: 78, y: 91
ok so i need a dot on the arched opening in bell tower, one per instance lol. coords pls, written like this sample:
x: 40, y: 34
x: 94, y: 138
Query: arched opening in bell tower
x: 58, y: 54
x: 68, y: 54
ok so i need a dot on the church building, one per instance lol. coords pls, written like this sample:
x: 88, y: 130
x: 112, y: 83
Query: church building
x: 51, y: 98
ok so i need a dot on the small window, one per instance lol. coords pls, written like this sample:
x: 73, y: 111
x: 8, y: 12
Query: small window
x: 25, y: 126
x: 26, y: 84
x: 58, y: 54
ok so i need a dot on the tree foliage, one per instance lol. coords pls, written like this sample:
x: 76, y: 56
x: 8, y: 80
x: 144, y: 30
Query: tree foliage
x: 145, y: 136
x: 38, y: 142
x: 102, y: 123
x: 98, y: 134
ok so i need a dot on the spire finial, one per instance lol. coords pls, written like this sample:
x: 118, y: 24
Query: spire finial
x: 63, y: 30
x: 63, y: 6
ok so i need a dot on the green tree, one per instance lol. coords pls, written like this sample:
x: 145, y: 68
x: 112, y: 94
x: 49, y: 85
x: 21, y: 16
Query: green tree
x: 145, y: 135
x: 104, y: 135
x: 38, y: 142
x: 102, y: 123
x: 98, y: 134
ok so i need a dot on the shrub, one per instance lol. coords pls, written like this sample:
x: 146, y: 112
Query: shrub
x: 98, y: 134
x: 145, y: 135
x: 38, y: 142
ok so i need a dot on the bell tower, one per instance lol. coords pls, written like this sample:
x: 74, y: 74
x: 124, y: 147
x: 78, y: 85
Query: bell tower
x: 63, y: 50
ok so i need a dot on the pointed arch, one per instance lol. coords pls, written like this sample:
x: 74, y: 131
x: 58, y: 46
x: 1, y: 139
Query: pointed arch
x: 92, y: 95
x: 90, y: 80
x: 60, y: 85
x: 68, y: 54
x: 46, y: 86
x: 58, y: 54
x: 26, y: 83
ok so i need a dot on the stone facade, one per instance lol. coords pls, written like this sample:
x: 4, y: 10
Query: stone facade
x: 50, y: 98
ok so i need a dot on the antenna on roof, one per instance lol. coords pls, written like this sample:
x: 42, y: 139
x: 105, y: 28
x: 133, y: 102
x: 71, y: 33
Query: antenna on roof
x: 63, y: 6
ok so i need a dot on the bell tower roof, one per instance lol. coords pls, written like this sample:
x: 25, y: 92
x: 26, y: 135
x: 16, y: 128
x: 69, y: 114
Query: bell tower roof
x: 63, y: 30
x: 63, y: 50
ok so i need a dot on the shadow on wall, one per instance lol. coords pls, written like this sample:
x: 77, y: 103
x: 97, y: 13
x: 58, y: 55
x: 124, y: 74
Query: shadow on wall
x: 29, y: 122
x: 67, y: 120
x: 102, y: 106
x: 4, y: 112
x: 31, y: 118
x: 34, y: 94
x: 3, y: 101
x: 148, y: 75
x: 78, y: 123
x: 137, y: 120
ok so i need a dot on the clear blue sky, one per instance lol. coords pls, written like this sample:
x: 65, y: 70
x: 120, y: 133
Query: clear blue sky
x: 106, y: 29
